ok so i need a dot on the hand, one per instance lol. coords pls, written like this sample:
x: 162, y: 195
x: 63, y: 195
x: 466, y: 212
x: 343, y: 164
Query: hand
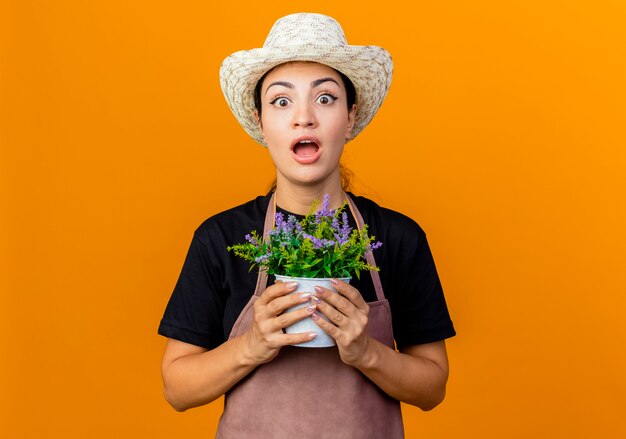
x: 266, y: 336
x: 348, y: 315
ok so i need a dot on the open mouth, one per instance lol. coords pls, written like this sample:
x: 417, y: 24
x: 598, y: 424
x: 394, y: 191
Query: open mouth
x: 305, y: 148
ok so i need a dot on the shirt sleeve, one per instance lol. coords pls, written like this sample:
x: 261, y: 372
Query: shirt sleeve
x: 194, y: 313
x: 421, y: 314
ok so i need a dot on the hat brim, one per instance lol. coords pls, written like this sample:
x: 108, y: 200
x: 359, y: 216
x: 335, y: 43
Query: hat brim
x: 369, y: 68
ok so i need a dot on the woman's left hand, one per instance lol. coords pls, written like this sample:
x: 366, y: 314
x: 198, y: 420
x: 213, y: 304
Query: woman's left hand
x: 348, y: 315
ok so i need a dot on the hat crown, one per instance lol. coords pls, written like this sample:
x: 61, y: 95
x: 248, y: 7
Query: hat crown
x: 305, y: 28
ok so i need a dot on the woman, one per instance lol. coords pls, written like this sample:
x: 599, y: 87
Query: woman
x: 304, y: 95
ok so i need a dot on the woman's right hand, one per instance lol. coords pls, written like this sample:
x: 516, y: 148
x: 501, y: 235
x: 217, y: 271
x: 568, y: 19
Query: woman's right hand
x: 266, y: 336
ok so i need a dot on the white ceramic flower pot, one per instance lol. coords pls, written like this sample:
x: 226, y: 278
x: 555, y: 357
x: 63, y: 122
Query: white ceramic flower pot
x: 307, y: 285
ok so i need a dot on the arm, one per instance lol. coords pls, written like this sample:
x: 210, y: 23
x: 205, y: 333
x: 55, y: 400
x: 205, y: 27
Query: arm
x: 417, y: 375
x: 194, y: 376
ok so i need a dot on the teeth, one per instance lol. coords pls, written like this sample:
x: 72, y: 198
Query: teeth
x: 305, y: 141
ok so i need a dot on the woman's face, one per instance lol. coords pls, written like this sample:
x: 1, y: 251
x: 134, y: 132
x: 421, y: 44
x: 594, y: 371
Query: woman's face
x: 305, y: 121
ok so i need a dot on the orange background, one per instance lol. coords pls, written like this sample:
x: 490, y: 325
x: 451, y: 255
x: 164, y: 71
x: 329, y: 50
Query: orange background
x: 503, y: 135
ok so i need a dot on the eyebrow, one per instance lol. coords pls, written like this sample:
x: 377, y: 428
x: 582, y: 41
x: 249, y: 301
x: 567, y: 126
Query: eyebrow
x: 314, y: 84
x: 321, y: 81
x: 283, y: 83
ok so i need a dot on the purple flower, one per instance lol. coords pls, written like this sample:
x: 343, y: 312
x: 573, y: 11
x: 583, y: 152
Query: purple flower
x: 341, y: 239
x: 251, y: 239
x: 319, y: 243
x: 374, y: 245
x: 279, y: 219
x: 284, y: 229
x: 342, y: 233
x: 292, y: 221
x: 324, y: 211
x: 287, y: 227
x: 344, y: 221
x: 316, y: 242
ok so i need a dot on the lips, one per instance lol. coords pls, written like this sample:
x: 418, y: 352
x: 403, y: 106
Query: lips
x: 306, y: 150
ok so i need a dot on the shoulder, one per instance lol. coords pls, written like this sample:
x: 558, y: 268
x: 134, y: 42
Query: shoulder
x: 383, y: 220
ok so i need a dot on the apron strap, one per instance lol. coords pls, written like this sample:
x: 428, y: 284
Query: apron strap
x: 261, y: 281
x: 369, y: 256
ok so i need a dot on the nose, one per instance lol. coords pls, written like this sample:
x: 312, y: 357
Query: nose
x: 304, y: 116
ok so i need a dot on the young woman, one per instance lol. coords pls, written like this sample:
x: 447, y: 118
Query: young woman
x: 304, y: 95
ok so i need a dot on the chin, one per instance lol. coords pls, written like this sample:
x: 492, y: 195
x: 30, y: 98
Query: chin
x: 306, y: 181
x: 310, y: 179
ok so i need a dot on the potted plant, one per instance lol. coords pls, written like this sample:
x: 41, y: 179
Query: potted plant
x: 310, y: 252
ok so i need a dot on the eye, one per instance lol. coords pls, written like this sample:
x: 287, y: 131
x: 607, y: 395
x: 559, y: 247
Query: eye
x: 280, y: 102
x: 326, y: 99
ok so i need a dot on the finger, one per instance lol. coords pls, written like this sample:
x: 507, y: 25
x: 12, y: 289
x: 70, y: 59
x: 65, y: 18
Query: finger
x: 339, y: 302
x: 292, y: 339
x: 283, y: 303
x: 337, y: 318
x: 327, y: 327
x: 289, y: 318
x: 351, y: 293
x: 276, y: 290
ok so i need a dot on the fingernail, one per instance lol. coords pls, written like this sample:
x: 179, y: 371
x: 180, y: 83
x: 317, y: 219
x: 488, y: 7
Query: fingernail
x: 291, y: 285
x: 312, y: 335
x: 334, y: 281
x: 305, y: 296
x: 319, y: 290
x: 310, y: 309
x: 314, y: 316
x: 316, y: 300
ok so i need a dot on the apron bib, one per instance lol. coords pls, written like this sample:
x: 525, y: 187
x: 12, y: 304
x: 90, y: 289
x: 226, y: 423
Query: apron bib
x: 309, y: 392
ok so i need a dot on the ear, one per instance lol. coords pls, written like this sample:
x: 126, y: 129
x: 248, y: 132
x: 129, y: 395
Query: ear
x: 259, y: 123
x: 258, y: 119
x: 351, y: 120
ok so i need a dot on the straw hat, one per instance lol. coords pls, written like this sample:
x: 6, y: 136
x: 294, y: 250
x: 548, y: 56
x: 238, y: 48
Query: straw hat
x: 307, y: 37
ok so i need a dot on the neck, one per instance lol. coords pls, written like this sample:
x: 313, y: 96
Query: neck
x: 299, y: 198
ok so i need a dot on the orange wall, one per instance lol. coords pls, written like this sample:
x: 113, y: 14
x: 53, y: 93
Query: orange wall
x: 503, y: 135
